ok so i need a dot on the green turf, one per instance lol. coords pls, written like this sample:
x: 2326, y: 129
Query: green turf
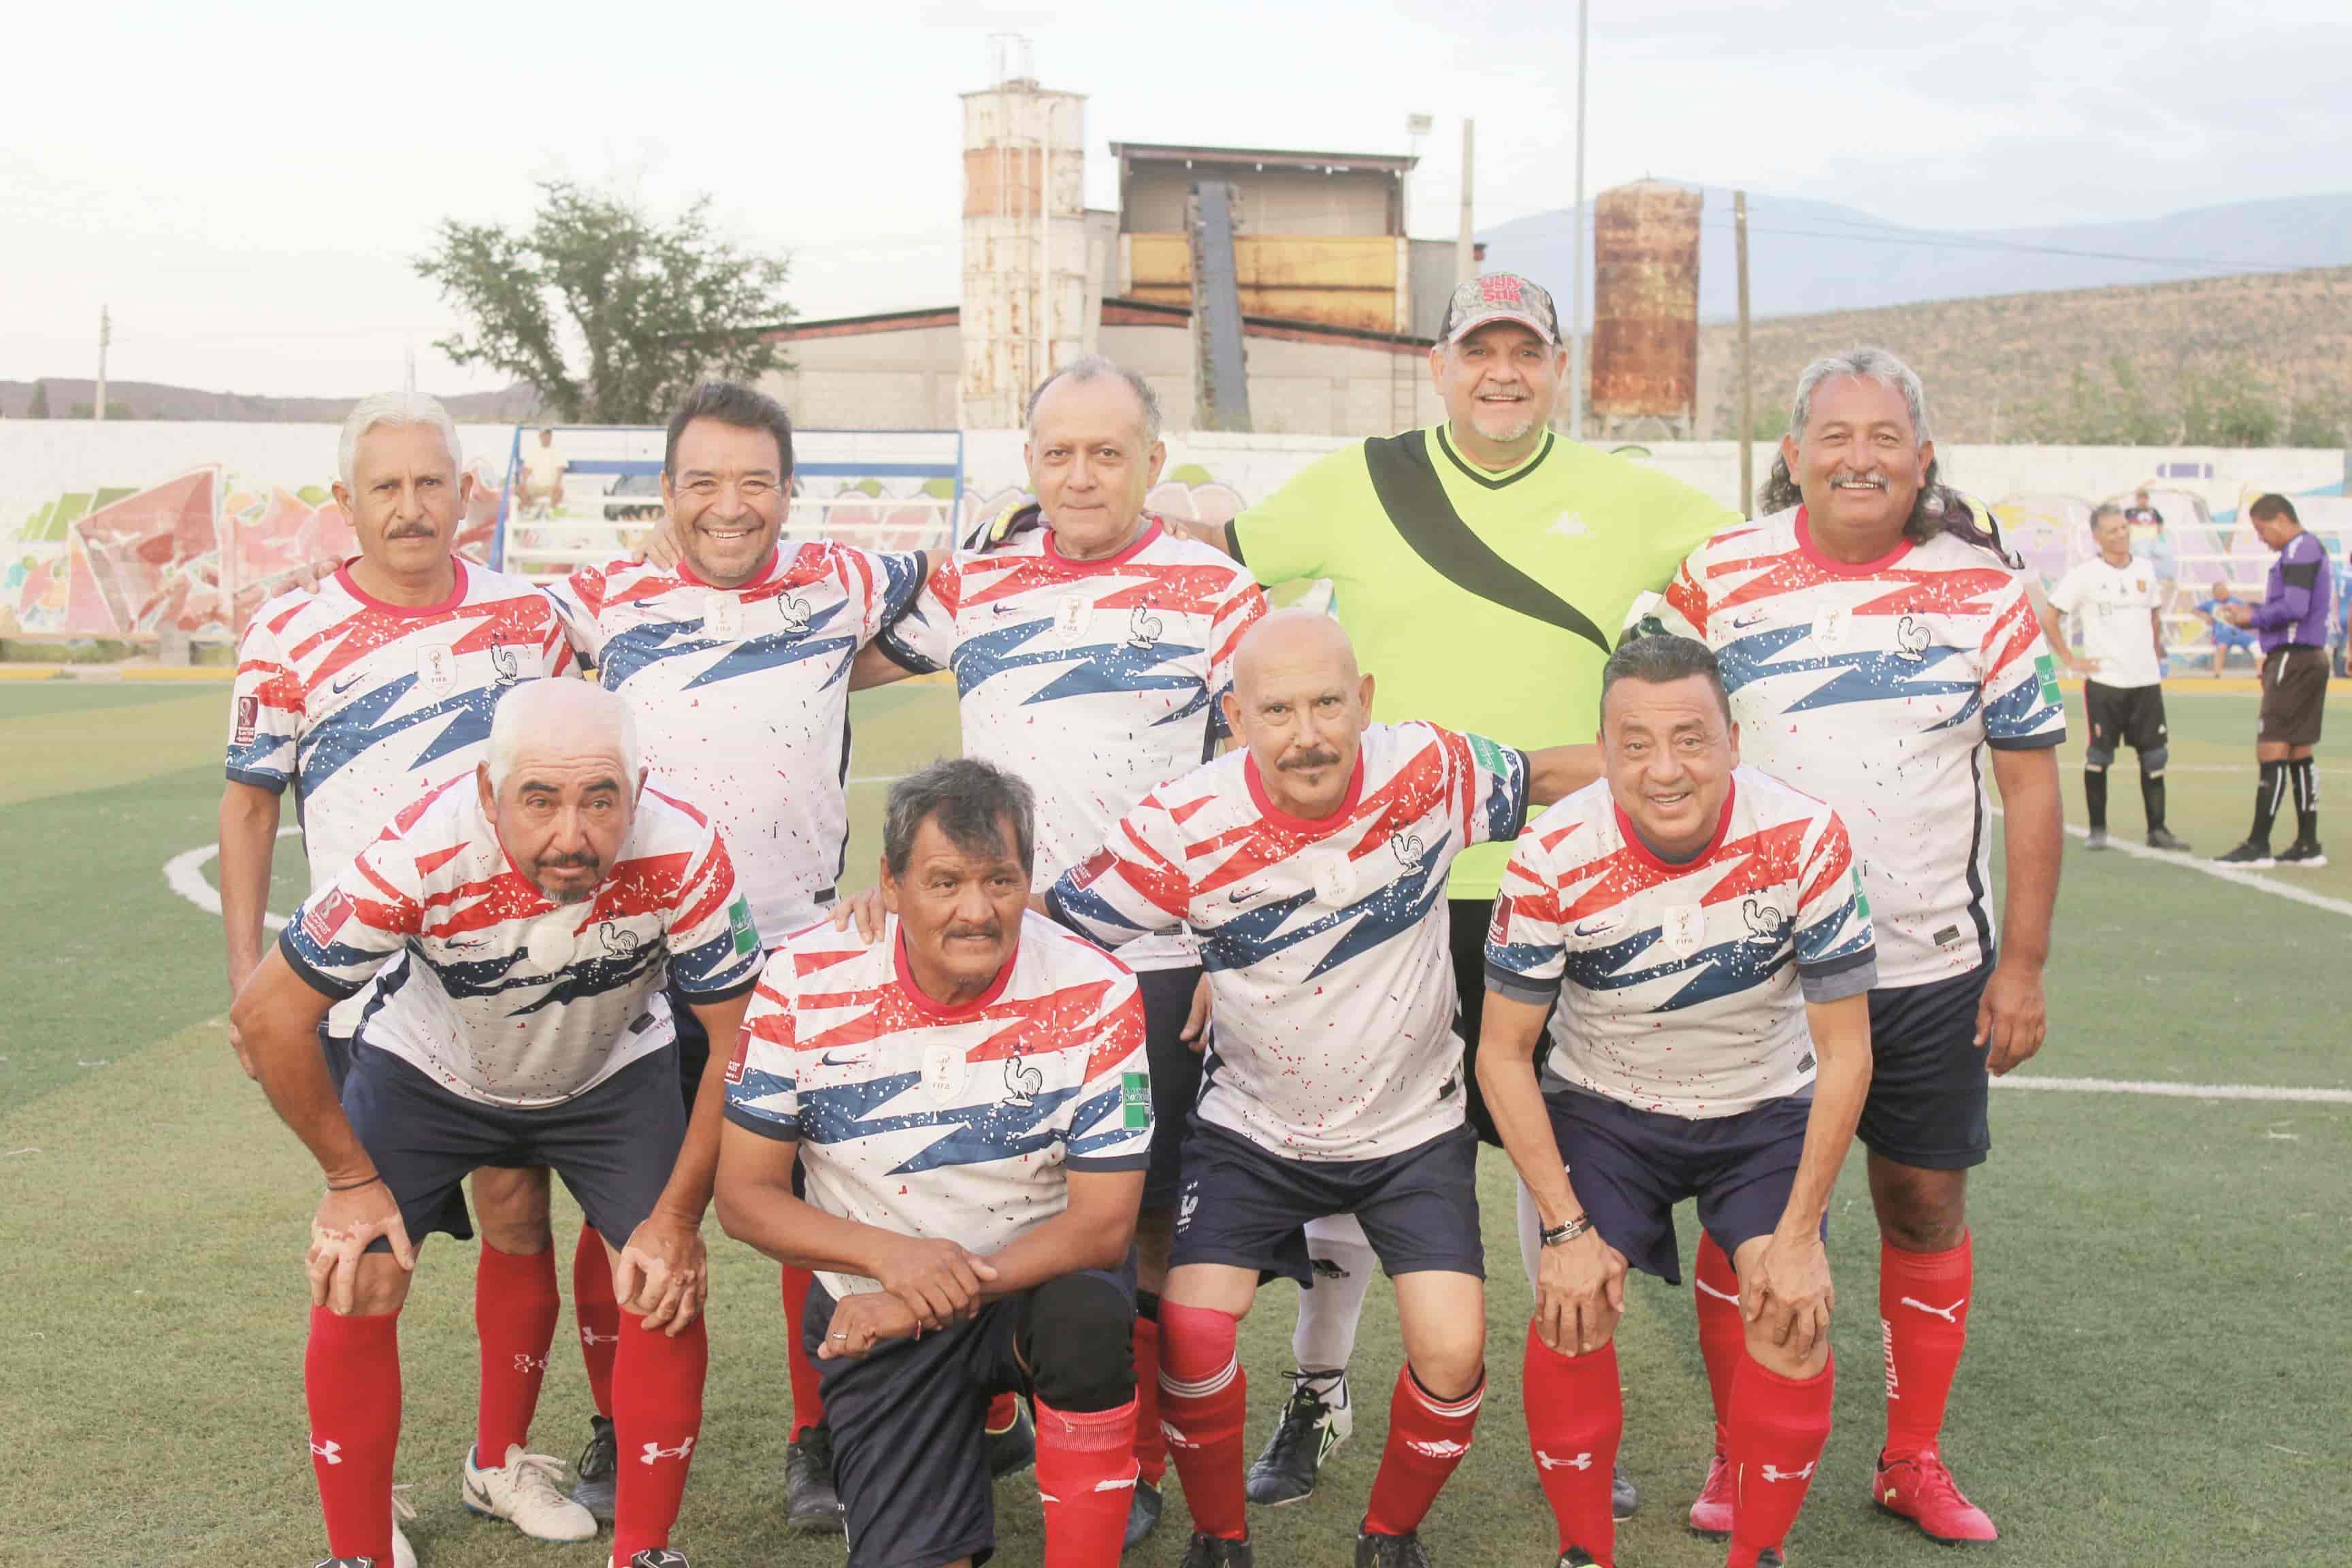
x: 2156, y: 1374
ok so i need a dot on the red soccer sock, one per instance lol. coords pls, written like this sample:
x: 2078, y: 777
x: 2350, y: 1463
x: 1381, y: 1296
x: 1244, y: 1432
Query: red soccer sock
x: 598, y: 1313
x: 1150, y: 1444
x: 808, y: 1403
x: 351, y: 1375
x: 1722, y: 1334
x: 1203, y: 1399
x: 1923, y: 1311
x: 1086, y: 1473
x: 1428, y: 1438
x: 515, y: 1308
x: 657, y: 1416
x: 1576, y: 1414
x: 1778, y: 1427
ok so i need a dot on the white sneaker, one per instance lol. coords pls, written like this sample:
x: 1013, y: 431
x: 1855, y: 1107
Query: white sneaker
x: 527, y: 1491
x: 404, y: 1555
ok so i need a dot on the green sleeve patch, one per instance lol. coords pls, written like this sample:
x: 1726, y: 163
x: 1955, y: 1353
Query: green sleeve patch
x: 739, y: 926
x: 1860, y: 899
x: 1135, y: 1101
x: 1489, y: 756
x: 2046, y: 668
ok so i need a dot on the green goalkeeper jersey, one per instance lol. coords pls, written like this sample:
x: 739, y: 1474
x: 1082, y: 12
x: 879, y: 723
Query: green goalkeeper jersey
x: 1482, y: 602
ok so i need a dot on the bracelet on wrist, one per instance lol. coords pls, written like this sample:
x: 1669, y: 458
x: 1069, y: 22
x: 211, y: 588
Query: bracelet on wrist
x: 1555, y: 1236
x: 353, y: 1186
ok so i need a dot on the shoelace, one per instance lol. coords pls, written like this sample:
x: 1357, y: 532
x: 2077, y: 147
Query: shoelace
x: 539, y: 1480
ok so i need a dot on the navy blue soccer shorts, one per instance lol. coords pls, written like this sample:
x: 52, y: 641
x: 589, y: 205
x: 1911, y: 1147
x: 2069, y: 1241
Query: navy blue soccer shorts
x: 1244, y: 1207
x: 1630, y: 1167
x: 614, y: 1145
x: 1928, y: 1089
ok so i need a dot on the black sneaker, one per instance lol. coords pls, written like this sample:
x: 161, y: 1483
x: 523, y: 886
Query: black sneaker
x: 2250, y: 854
x: 1143, y: 1514
x: 1014, y: 1449
x: 658, y: 1557
x: 347, y: 1563
x: 1575, y: 1557
x: 2166, y: 839
x: 2304, y: 853
x: 1216, y: 1551
x: 812, y: 1506
x: 1390, y: 1551
x: 599, y: 1475
x: 1624, y: 1502
x: 1285, y: 1470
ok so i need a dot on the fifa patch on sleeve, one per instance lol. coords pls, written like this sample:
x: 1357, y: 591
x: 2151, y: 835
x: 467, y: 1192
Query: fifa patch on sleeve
x: 739, y: 926
x: 1499, y: 927
x: 248, y: 719
x: 1135, y: 1101
x: 1494, y: 759
x: 2047, y: 668
x: 1860, y: 899
x: 324, y: 919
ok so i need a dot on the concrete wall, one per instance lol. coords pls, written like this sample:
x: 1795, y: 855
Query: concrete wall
x: 1295, y: 388
x: 1271, y: 201
x: 872, y: 381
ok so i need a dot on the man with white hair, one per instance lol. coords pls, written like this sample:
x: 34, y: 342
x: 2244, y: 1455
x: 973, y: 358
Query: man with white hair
x: 518, y: 925
x: 359, y: 692
x: 1882, y: 654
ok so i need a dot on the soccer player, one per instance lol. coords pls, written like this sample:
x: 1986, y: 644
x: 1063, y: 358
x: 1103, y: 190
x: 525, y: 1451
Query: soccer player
x: 542, y: 477
x: 736, y: 662
x: 520, y: 921
x: 1483, y: 566
x: 1309, y: 869
x: 1693, y: 937
x: 2291, y: 621
x: 1091, y: 647
x: 1877, y: 645
x: 2121, y: 603
x: 360, y: 693
x: 970, y: 1100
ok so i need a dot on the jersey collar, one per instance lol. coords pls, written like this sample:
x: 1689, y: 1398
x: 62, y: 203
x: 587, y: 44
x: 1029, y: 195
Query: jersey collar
x: 767, y: 570
x: 1310, y: 825
x: 923, y: 1001
x: 1837, y: 568
x: 344, y: 580
x: 1142, y: 541
x: 1656, y: 862
x: 1479, y: 476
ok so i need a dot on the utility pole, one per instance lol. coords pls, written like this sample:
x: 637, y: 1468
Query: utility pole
x: 105, y: 336
x: 1465, y: 265
x: 1746, y: 380
x: 1576, y: 275
x: 409, y: 382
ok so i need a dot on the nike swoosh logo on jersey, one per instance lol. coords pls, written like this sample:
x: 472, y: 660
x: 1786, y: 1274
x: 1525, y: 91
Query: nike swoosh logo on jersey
x: 829, y: 1060
x: 347, y: 682
x: 1749, y: 619
x: 1601, y: 926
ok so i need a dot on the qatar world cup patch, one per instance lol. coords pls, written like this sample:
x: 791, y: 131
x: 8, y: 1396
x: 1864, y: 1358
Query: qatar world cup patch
x: 248, y: 719
x: 1135, y: 1101
x: 322, y: 919
x: 739, y: 926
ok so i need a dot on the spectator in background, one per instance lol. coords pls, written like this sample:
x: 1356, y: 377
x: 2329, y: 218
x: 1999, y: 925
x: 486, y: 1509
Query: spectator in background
x: 542, y: 477
x: 2227, y: 633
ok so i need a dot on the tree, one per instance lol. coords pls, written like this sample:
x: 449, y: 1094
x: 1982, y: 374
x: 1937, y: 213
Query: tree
x: 2227, y: 407
x: 39, y: 409
x: 651, y: 308
x: 2313, y: 422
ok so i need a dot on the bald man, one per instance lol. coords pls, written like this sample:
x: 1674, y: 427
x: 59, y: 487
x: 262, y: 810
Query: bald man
x: 1309, y: 869
x: 520, y: 918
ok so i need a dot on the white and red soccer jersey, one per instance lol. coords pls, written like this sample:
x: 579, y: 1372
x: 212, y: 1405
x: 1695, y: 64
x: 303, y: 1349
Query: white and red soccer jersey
x: 741, y: 697
x: 503, y: 996
x: 1092, y: 680
x: 960, y: 1123
x: 1877, y: 688
x: 1682, y: 987
x: 1326, y: 942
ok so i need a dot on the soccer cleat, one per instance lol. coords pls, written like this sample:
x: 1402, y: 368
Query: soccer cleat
x: 1013, y: 1448
x: 2304, y: 853
x: 527, y: 1492
x: 1710, y: 1511
x: 812, y: 1506
x: 2166, y: 839
x: 1311, y: 1426
x: 2097, y: 839
x: 404, y: 1555
x: 598, y: 1472
x: 1919, y: 1488
x: 658, y: 1557
x: 1143, y: 1515
x: 1624, y: 1502
x: 1575, y: 1557
x: 1217, y: 1551
x: 2250, y: 854
x: 1374, y: 1550
x: 346, y: 1562
x: 1770, y: 1557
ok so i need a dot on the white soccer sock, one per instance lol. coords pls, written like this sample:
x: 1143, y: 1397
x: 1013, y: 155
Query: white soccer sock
x: 1325, y: 1336
x: 1530, y: 1233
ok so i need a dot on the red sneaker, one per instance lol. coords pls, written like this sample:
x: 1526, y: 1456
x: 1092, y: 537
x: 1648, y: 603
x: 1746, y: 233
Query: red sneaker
x: 1711, y: 1514
x: 1918, y: 1487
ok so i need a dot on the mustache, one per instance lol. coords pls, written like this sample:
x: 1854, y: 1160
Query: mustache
x: 1303, y: 762
x: 990, y: 932
x: 411, y: 531
x: 567, y: 863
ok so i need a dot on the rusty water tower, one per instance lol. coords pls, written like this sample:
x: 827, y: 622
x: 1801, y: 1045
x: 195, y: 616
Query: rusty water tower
x: 1645, y: 312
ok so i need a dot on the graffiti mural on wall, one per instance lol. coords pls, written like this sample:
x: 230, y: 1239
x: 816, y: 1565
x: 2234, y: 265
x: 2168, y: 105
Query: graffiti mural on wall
x: 124, y: 561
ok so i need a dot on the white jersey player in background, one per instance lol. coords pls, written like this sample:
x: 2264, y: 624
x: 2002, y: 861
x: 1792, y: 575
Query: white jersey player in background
x: 1880, y: 650
x: 361, y: 693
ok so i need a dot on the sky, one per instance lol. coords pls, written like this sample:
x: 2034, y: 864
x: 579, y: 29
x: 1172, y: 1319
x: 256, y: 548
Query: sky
x: 248, y: 199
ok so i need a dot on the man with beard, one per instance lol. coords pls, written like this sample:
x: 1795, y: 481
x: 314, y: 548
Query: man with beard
x: 520, y: 921
x: 1880, y: 650
x: 1484, y: 567
x: 368, y: 688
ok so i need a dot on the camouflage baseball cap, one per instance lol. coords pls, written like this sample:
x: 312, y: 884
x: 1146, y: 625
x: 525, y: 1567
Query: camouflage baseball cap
x: 1499, y: 297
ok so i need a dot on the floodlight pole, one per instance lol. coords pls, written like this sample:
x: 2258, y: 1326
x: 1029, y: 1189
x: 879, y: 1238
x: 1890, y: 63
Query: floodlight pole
x: 1576, y: 275
x: 105, y: 336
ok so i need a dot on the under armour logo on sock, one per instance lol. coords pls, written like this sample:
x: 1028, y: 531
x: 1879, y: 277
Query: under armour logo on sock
x: 1545, y: 1461
x: 527, y: 1363
x: 1443, y: 1449
x: 330, y: 1451
x: 655, y: 1451
x: 589, y: 1336
x: 1947, y: 1313
x: 1771, y: 1474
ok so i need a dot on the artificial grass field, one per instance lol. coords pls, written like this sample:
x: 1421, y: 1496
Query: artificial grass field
x: 2161, y: 1361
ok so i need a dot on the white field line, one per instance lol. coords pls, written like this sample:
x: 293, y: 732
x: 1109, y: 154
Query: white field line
x: 2163, y: 1090
x: 2225, y: 768
x: 185, y: 874
x: 2222, y: 873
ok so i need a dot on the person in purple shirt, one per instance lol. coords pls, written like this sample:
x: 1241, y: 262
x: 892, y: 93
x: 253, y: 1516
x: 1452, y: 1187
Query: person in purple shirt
x: 2291, y: 621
